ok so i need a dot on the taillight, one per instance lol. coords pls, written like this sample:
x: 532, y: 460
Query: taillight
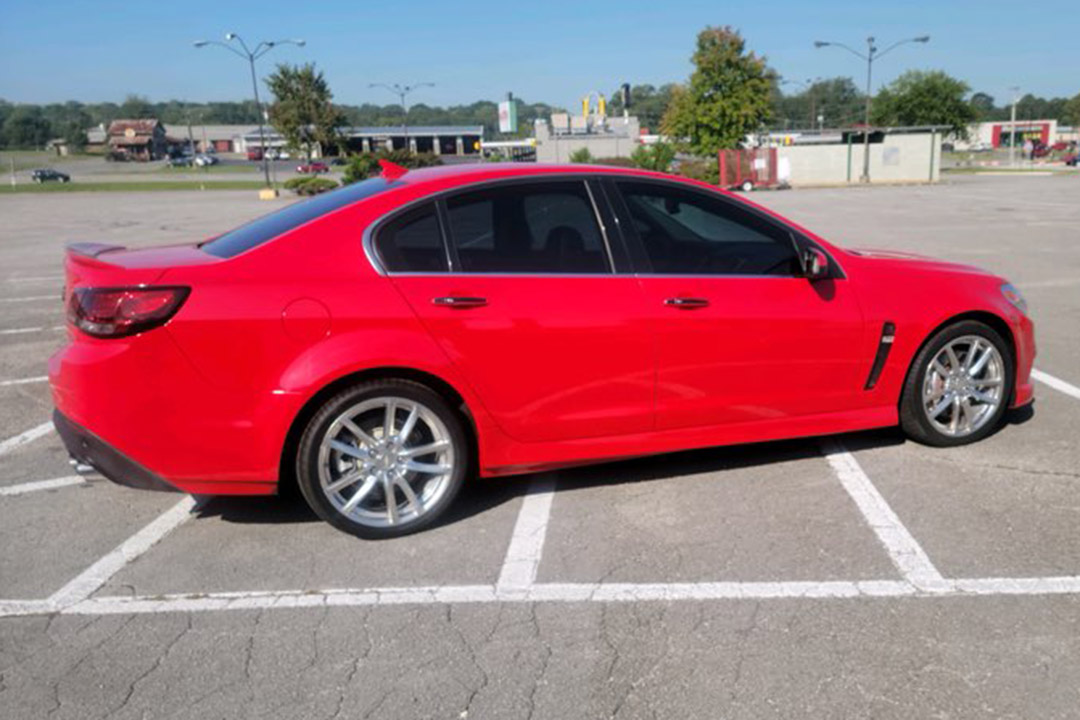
x: 121, y: 311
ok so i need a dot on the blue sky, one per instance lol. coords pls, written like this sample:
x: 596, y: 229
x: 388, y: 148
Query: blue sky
x: 53, y: 50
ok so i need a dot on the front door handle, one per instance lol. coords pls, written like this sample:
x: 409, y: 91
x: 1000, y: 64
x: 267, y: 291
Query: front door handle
x: 459, y: 301
x: 686, y: 303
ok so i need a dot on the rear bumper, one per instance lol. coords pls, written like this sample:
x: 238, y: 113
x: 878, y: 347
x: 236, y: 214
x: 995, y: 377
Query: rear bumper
x: 87, y: 448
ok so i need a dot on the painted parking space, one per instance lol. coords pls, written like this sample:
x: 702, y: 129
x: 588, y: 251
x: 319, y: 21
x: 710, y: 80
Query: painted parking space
x: 236, y: 545
x: 706, y: 516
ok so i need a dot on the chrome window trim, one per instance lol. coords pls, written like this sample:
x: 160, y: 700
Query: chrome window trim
x: 368, y: 237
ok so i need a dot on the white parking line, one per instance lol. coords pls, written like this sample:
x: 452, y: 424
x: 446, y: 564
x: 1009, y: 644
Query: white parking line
x: 27, y: 330
x: 1056, y: 383
x: 527, y: 542
x: 552, y: 592
x: 39, y: 485
x: 91, y: 579
x: 25, y: 437
x: 24, y: 381
x: 35, y: 278
x: 32, y: 298
x: 904, y: 551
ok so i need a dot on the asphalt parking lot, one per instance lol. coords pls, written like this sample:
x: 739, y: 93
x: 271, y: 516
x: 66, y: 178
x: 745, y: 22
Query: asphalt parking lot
x: 856, y: 576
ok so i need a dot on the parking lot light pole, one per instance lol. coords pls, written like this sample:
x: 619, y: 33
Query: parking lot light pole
x: 871, y: 55
x: 403, y: 91
x: 251, y: 56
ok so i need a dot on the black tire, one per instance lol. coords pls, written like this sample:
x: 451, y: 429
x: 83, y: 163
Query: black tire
x: 307, y: 456
x: 913, y: 419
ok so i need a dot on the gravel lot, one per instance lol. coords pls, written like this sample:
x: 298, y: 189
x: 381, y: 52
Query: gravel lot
x: 859, y: 576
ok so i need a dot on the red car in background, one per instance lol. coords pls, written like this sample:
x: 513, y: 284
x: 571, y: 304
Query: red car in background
x: 313, y: 168
x: 382, y: 343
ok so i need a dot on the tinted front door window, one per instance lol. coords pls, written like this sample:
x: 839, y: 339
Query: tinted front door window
x: 688, y: 233
x: 535, y: 228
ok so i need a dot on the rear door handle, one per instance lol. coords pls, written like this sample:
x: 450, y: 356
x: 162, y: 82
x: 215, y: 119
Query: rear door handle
x: 686, y: 303
x: 459, y: 301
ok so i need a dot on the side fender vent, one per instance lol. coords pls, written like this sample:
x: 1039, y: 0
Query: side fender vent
x: 888, y: 334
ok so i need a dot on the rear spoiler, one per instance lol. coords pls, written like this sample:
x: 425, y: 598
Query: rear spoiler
x: 92, y: 249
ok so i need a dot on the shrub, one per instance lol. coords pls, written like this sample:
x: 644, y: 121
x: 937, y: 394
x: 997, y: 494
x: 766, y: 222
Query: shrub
x: 366, y: 165
x: 657, y: 157
x: 310, y: 185
x: 581, y: 155
x: 700, y: 169
x: 615, y: 162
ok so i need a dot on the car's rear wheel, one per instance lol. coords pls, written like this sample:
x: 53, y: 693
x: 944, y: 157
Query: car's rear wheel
x: 383, y: 459
x: 958, y: 387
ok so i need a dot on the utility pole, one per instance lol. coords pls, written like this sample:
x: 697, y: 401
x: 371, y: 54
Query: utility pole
x: 871, y: 55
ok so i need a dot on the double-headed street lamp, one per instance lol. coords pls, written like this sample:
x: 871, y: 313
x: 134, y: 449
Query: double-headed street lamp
x: 251, y: 55
x: 871, y: 55
x: 403, y: 91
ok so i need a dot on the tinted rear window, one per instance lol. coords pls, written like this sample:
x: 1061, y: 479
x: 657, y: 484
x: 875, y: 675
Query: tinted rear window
x: 277, y: 223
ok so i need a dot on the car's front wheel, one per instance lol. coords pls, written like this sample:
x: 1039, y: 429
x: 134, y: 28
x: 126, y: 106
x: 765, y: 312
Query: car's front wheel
x: 383, y: 459
x: 958, y: 387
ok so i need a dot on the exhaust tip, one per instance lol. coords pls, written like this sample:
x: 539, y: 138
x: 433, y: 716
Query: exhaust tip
x: 86, y: 470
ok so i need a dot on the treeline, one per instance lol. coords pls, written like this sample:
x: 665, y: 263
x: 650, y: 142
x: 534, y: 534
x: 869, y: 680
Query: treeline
x: 831, y: 102
x: 32, y: 126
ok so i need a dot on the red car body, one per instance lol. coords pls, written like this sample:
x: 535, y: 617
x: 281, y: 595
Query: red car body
x: 551, y: 371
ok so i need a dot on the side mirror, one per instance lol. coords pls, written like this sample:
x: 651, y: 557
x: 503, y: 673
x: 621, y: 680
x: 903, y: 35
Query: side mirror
x: 815, y: 264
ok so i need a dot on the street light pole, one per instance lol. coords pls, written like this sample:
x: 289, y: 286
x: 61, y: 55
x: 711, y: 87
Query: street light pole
x: 1012, y: 127
x: 403, y: 91
x: 251, y: 56
x: 871, y: 55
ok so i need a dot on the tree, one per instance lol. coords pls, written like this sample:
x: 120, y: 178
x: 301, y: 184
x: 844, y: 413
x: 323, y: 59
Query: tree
x: 26, y: 127
x: 836, y: 100
x: 656, y: 157
x: 1072, y: 111
x: 581, y: 155
x: 983, y: 105
x: 647, y: 103
x: 925, y: 98
x: 136, y: 107
x: 302, y: 110
x: 726, y: 98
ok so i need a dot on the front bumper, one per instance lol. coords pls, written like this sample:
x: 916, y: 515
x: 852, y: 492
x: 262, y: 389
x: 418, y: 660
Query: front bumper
x: 88, y: 449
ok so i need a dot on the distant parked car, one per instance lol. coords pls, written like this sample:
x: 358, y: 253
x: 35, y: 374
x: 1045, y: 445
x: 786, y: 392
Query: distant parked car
x: 205, y: 160
x: 255, y: 155
x: 313, y: 168
x: 337, y: 161
x: 1073, y: 160
x: 43, y: 175
x: 180, y: 161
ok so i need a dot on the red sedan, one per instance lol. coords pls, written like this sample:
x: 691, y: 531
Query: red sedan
x: 380, y: 344
x: 313, y: 168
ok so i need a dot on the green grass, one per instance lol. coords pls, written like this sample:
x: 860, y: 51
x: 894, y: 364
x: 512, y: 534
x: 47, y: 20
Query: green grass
x: 32, y: 159
x: 212, y: 169
x: 154, y: 185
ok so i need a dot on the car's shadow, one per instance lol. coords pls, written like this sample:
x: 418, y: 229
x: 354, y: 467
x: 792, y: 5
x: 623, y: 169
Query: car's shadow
x: 484, y: 494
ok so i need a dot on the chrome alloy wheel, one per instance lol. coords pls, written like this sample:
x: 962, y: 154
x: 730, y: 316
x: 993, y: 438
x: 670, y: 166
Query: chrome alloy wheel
x: 385, y: 461
x: 963, y: 386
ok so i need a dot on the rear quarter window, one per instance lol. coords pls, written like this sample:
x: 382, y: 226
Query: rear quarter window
x: 278, y: 223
